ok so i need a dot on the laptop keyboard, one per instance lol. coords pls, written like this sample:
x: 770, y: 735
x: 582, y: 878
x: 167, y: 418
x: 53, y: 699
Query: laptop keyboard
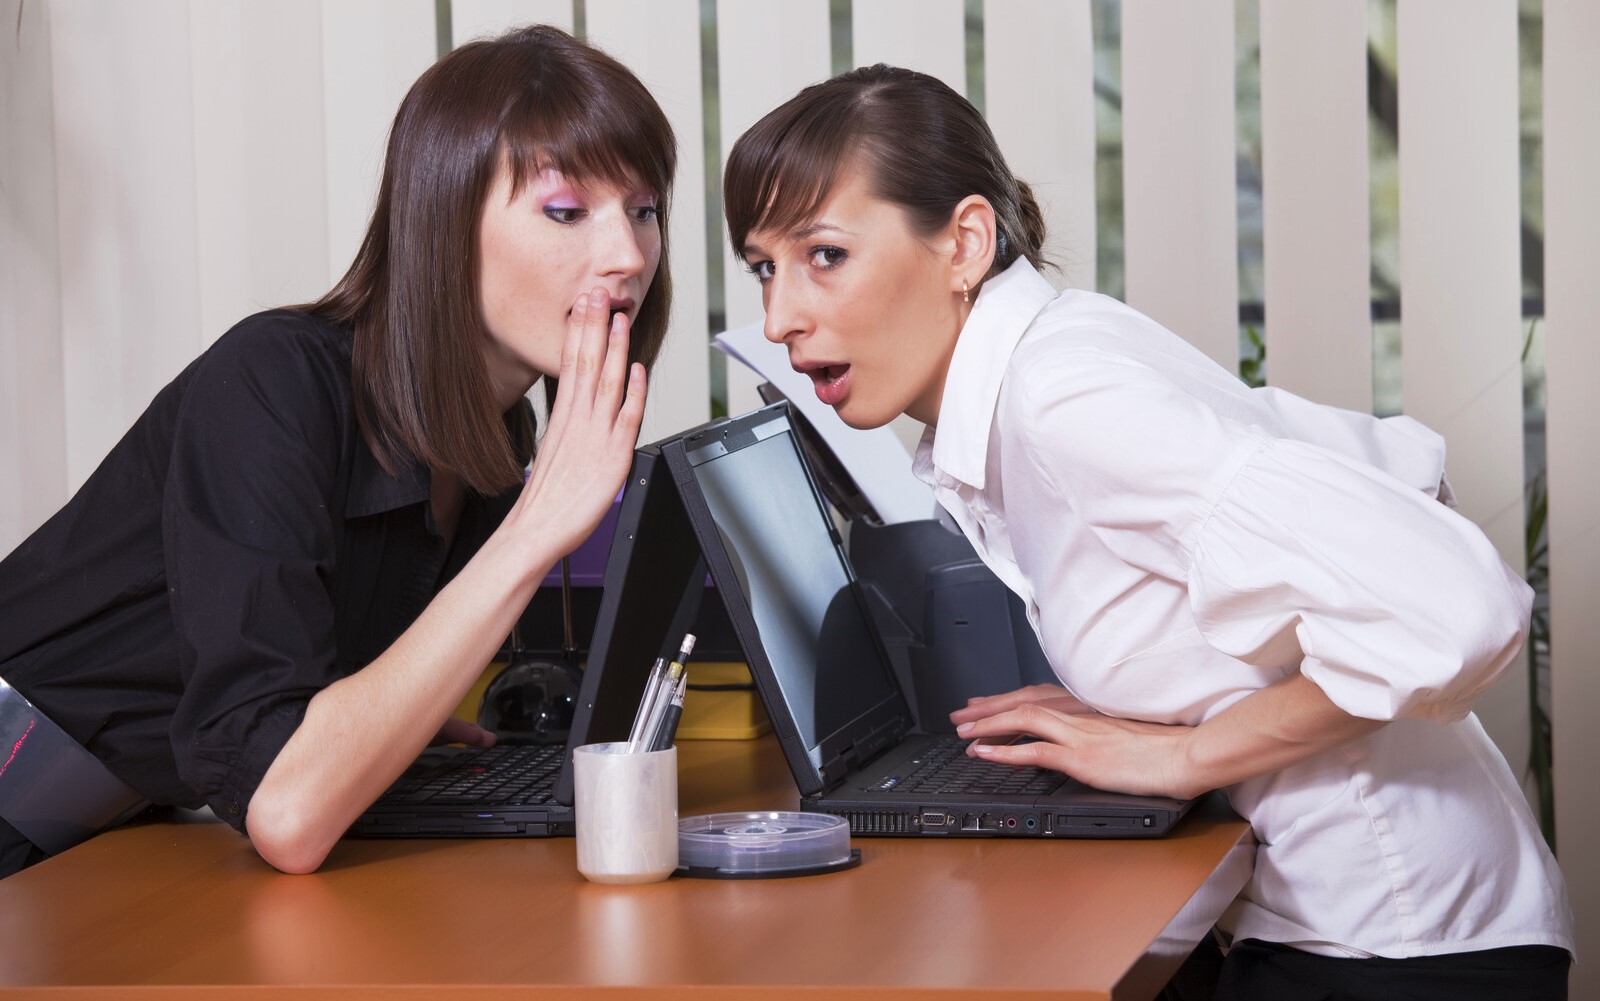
x: 945, y: 768
x: 505, y: 773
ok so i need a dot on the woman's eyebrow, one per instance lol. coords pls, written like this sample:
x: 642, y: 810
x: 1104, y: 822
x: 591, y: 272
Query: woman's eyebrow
x: 819, y: 226
x: 800, y: 234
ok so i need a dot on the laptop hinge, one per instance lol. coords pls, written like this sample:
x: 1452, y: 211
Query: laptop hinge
x: 866, y: 747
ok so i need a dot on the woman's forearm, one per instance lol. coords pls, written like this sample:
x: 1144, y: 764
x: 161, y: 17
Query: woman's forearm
x: 359, y: 733
x: 1267, y: 731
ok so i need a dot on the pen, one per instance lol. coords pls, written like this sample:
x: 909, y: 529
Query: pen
x: 652, y: 693
x: 659, y: 709
x: 658, y: 693
x: 669, y: 722
x: 684, y: 650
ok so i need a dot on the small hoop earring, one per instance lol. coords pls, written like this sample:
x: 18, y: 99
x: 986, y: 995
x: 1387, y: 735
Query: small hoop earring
x: 966, y: 293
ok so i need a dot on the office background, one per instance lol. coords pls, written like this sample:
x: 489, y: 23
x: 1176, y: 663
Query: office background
x: 1230, y: 167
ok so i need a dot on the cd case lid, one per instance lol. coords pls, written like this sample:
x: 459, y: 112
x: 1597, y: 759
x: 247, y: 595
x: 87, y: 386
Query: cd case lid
x: 763, y: 845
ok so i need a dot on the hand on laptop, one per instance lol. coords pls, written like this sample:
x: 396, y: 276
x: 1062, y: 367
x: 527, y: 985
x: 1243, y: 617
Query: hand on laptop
x: 1117, y: 755
x: 459, y: 731
x: 1050, y: 696
x: 979, y: 707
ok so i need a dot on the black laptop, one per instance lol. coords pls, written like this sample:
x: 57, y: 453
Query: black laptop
x: 770, y: 542
x: 521, y: 790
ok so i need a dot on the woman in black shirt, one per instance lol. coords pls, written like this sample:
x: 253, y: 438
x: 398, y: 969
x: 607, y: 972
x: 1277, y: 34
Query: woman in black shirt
x: 275, y: 589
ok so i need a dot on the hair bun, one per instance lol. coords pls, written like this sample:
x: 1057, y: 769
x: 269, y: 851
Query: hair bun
x: 1029, y: 242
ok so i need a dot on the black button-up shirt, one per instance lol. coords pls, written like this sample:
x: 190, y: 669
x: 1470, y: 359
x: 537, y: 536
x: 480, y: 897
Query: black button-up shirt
x: 239, y: 550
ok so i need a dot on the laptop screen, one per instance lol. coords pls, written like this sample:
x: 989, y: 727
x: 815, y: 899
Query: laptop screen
x: 791, y: 572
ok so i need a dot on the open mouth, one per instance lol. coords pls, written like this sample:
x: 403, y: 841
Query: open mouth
x: 830, y: 382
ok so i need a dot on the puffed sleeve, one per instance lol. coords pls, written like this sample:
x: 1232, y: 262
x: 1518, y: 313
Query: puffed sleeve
x: 1401, y: 446
x: 1400, y: 606
x: 250, y: 543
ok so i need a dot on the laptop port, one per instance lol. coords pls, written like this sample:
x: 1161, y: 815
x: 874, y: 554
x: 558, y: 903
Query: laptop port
x: 935, y: 818
x: 980, y: 823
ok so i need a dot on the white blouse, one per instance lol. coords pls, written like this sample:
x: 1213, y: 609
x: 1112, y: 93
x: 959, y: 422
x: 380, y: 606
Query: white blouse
x: 1182, y: 540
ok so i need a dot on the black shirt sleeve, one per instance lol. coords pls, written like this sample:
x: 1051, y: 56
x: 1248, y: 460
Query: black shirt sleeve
x: 239, y: 550
x: 250, y: 529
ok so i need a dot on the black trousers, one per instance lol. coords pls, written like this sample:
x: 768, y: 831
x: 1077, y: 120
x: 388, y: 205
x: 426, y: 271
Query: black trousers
x: 1266, y: 971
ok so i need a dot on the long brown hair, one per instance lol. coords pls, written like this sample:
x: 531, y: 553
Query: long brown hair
x: 923, y: 146
x: 540, y: 98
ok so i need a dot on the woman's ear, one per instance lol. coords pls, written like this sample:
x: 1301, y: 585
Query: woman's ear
x: 973, y: 227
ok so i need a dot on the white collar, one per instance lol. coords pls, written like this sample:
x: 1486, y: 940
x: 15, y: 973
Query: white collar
x: 1007, y: 304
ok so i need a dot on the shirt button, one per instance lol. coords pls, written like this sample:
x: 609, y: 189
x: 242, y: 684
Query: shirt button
x: 233, y: 809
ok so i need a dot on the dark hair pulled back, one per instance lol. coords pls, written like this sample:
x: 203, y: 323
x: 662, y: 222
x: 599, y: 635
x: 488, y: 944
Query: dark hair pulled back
x: 924, y: 147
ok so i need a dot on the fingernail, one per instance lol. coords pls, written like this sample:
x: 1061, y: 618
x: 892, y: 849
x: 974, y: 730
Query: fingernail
x: 983, y: 748
x: 598, y: 297
x: 963, y: 728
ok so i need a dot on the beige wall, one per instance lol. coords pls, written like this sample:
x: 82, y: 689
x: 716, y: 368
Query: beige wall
x: 1572, y: 363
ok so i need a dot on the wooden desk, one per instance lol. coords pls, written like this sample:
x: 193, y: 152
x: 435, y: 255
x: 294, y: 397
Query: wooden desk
x: 189, y: 909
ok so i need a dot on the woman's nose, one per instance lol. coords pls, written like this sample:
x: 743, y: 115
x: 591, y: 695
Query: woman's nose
x: 786, y: 315
x: 621, y: 251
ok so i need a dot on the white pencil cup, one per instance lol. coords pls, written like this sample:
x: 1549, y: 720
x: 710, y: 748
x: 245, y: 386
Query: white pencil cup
x: 627, y: 812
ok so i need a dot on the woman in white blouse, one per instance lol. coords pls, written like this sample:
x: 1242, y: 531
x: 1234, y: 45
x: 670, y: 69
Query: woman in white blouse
x: 1239, y: 589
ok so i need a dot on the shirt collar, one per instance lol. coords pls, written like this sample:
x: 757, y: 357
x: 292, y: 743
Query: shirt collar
x: 958, y: 445
x: 373, y: 490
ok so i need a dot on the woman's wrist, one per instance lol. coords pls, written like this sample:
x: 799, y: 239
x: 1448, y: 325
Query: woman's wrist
x: 1194, y: 772
x: 520, y: 553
